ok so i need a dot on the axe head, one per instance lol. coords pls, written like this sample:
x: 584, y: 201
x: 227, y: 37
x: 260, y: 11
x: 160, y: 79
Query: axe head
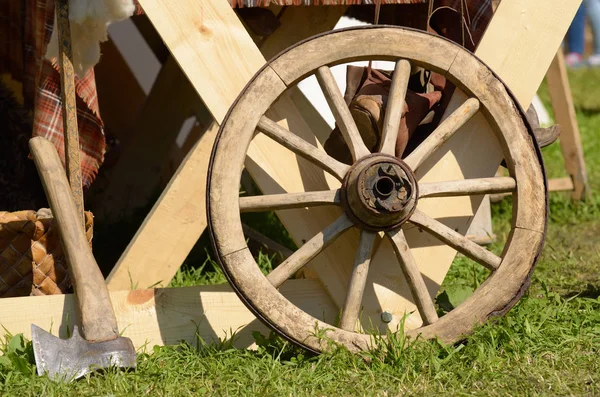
x: 70, y: 359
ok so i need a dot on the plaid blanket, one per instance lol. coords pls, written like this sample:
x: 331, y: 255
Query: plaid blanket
x: 25, y: 29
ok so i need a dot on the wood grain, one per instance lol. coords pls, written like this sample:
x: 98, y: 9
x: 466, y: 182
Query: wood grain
x: 69, y: 106
x: 166, y: 316
x: 210, y: 44
x: 288, y: 200
x: 98, y: 320
x: 395, y: 107
x: 341, y: 113
x: 467, y: 187
x: 303, y: 148
x: 358, y: 281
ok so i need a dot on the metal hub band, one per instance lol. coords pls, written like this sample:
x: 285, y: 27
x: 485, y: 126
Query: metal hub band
x: 379, y: 192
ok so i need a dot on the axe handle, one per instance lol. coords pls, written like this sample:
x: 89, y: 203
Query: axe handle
x: 98, y: 319
x: 69, y: 108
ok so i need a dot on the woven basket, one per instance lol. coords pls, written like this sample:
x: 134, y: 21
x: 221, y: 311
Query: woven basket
x: 31, y: 256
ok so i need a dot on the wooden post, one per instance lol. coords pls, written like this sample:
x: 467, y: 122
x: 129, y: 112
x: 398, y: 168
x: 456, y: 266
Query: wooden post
x: 570, y: 139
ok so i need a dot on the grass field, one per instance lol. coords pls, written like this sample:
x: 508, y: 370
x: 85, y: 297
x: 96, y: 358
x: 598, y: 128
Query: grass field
x: 547, y: 345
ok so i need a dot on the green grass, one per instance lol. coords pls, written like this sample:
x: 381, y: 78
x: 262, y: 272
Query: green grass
x: 548, y: 344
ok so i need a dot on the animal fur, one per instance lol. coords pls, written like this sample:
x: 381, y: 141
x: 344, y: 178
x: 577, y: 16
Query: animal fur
x: 89, y: 20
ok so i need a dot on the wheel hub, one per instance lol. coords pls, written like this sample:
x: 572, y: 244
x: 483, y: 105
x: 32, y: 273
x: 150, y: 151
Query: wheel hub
x: 379, y: 192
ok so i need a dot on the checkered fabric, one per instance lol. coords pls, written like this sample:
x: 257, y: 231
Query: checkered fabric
x: 25, y: 29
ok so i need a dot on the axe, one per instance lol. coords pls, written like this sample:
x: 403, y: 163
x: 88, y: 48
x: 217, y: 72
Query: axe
x: 103, y: 346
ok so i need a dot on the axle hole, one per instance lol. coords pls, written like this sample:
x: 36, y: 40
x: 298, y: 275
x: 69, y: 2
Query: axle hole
x: 385, y: 186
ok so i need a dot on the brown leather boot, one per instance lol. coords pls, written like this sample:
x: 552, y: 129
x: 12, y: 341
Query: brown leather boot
x: 543, y: 136
x: 366, y: 95
x: 368, y: 111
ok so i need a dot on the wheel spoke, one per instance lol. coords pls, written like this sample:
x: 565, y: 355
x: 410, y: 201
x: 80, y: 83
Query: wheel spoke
x: 393, y: 112
x: 358, y: 281
x: 456, y: 240
x: 467, y: 187
x: 274, y: 202
x: 302, y: 148
x: 442, y: 133
x: 308, y: 251
x: 414, y: 278
x: 341, y: 113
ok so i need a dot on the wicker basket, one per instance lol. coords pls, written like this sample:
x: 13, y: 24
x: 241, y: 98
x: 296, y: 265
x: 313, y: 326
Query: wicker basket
x: 31, y: 256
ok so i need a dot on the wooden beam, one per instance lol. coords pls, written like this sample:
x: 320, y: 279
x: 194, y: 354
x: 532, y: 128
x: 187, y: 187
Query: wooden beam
x: 560, y: 184
x: 164, y: 316
x: 564, y: 114
x: 528, y: 47
x: 178, y: 218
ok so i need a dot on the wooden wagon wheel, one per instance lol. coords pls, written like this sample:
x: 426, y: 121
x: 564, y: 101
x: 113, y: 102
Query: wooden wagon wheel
x: 391, y: 183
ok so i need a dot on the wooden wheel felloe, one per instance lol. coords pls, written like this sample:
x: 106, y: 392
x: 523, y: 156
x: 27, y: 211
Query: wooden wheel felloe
x: 379, y: 195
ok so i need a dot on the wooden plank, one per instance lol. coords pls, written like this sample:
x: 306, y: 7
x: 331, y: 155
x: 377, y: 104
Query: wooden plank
x: 178, y: 218
x: 564, y: 114
x: 536, y: 31
x: 163, y: 316
x: 560, y: 184
x: 211, y: 46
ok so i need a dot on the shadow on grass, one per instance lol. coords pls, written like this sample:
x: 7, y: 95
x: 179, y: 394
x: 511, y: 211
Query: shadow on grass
x: 591, y: 291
